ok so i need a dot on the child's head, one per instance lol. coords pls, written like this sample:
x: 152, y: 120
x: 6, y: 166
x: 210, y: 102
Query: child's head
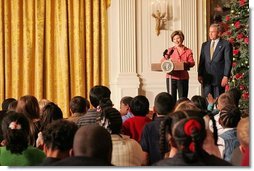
x: 16, y: 131
x: 230, y: 115
x: 243, y: 129
x: 59, y: 135
x: 186, y: 131
x: 186, y: 105
x: 139, y: 105
x: 200, y: 102
x: 236, y: 94
x: 42, y: 103
x: 111, y: 120
x: 78, y: 104
x: 29, y: 106
x: 125, y: 105
x: 224, y: 100
x: 97, y: 93
x: 50, y: 113
x: 163, y: 103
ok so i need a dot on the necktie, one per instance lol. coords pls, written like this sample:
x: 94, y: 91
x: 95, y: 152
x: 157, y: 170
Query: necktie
x: 212, y: 49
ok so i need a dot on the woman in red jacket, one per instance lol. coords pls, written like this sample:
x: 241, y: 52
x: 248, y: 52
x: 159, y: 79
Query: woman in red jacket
x: 178, y: 53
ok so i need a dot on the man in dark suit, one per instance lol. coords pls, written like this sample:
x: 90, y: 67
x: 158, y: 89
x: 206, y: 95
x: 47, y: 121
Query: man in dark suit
x: 215, y: 63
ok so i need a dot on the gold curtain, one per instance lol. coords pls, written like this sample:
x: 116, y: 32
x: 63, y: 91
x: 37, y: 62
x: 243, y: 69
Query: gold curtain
x: 53, y: 49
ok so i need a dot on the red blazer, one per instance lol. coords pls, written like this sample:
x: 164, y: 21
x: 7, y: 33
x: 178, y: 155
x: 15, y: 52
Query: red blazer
x: 186, y: 56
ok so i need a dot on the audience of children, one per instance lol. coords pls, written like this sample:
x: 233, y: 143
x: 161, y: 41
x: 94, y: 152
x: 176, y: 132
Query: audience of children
x: 181, y: 133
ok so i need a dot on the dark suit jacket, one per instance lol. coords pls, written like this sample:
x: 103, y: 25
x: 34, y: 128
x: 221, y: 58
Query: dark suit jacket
x: 213, y: 70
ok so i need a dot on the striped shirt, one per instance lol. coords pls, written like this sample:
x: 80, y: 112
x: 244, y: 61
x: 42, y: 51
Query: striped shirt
x: 89, y: 118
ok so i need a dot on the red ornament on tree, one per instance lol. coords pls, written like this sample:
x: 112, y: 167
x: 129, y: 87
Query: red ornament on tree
x: 235, y: 52
x: 227, y: 18
x: 240, y: 36
x: 228, y: 33
x: 241, y: 87
x: 238, y: 76
x: 237, y: 24
x: 242, y: 2
x: 245, y: 96
x: 231, y: 40
x: 246, y: 40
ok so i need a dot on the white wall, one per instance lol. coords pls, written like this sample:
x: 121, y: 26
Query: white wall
x: 134, y: 45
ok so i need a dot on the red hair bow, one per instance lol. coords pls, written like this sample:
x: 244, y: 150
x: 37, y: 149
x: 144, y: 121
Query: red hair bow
x: 190, y: 126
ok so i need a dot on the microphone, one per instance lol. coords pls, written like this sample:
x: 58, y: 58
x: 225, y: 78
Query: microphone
x: 165, y: 53
x: 167, y: 56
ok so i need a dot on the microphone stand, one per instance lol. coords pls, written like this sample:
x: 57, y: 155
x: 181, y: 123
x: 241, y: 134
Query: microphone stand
x: 170, y: 86
x: 169, y: 79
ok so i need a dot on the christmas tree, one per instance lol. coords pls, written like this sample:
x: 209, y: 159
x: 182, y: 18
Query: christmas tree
x: 237, y: 33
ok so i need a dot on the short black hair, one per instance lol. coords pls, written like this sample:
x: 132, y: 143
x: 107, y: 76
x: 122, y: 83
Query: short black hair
x: 59, y: 135
x: 78, y: 104
x: 236, y: 94
x: 93, y: 141
x: 164, y: 103
x: 139, y: 105
x: 97, y: 93
x: 200, y: 102
x: 7, y: 102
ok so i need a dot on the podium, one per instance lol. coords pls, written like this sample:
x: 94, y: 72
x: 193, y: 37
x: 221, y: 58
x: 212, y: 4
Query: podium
x: 168, y: 66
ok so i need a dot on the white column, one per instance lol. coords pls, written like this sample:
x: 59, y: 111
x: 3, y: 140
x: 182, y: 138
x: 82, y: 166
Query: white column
x: 189, y: 26
x: 122, y: 50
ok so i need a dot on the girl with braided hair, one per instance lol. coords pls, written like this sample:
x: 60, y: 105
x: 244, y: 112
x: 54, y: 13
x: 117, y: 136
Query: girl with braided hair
x: 230, y: 115
x: 186, y: 133
x: 126, y: 151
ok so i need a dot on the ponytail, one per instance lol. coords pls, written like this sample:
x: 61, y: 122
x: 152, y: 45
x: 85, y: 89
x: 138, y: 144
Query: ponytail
x: 215, y: 130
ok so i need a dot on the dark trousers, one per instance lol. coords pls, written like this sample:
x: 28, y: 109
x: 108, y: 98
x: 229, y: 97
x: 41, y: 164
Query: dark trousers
x: 181, y: 85
x: 214, y: 90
